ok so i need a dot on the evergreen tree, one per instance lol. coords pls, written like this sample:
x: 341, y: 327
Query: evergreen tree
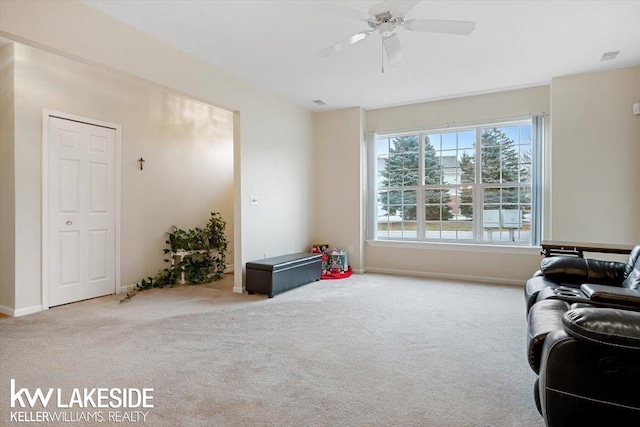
x: 499, y: 165
x: 401, y: 168
x: 499, y: 157
x: 525, y: 167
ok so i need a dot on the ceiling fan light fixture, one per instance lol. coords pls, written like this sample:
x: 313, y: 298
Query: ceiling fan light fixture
x: 386, y: 29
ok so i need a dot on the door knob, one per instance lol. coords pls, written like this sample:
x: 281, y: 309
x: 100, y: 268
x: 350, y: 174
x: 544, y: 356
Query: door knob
x: 69, y: 222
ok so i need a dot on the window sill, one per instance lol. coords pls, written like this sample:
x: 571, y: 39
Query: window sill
x: 457, y: 247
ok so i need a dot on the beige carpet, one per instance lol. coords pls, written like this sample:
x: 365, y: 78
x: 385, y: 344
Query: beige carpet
x: 371, y: 350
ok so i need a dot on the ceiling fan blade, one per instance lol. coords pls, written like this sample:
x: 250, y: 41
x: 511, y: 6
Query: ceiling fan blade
x: 393, y: 49
x: 395, y: 7
x: 401, y: 8
x: 335, y: 8
x: 463, y: 28
x: 344, y: 43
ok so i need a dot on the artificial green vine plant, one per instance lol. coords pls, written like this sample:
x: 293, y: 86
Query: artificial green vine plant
x: 205, y: 264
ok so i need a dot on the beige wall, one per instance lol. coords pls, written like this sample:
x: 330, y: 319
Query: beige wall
x: 338, y: 191
x: 7, y: 205
x: 473, y: 263
x: 187, y: 145
x: 459, y: 110
x: 269, y: 127
x: 595, y: 183
x: 592, y: 183
x: 277, y: 166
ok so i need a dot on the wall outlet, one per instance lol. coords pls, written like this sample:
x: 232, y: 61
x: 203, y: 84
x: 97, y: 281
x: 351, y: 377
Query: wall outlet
x: 636, y: 108
x: 350, y: 249
x: 253, y: 200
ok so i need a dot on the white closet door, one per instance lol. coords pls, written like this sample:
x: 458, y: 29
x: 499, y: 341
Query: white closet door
x: 81, y: 253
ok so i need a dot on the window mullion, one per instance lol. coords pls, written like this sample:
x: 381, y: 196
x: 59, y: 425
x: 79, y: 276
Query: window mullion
x: 478, y: 191
x: 420, y: 201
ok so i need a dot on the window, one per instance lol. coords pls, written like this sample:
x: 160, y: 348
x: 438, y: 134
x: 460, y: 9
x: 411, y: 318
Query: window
x: 473, y: 184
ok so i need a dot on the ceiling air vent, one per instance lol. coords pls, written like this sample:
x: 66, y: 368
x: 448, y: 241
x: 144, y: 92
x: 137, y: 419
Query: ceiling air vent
x: 608, y: 56
x: 319, y: 102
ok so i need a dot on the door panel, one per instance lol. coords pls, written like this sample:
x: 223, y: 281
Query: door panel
x: 68, y: 179
x: 98, y: 259
x: 98, y: 187
x: 67, y: 139
x: 81, y: 253
x: 97, y: 144
x: 69, y: 257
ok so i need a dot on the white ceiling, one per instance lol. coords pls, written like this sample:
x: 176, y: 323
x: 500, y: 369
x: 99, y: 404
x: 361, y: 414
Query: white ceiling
x: 274, y: 44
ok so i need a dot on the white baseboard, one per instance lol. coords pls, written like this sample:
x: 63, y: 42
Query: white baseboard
x: 237, y: 290
x: 22, y: 311
x: 6, y: 310
x: 445, y: 276
x: 359, y: 271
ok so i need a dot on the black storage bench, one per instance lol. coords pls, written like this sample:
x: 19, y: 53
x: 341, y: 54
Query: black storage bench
x: 275, y: 275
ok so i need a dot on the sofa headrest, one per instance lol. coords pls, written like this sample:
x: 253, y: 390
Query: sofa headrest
x: 568, y: 269
x: 619, y: 328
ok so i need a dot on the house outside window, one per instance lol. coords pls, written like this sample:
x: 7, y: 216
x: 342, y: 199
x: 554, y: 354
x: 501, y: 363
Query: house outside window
x: 475, y: 184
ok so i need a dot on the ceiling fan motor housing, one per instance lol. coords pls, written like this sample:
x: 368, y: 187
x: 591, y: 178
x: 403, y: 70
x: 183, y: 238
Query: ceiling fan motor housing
x: 385, y: 23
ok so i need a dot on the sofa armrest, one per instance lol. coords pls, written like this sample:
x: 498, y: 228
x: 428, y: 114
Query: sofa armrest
x: 612, y: 295
x: 544, y: 318
x: 537, y: 284
x: 582, y: 270
x: 608, y: 326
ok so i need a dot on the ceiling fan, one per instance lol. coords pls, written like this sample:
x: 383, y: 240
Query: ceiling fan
x: 386, y: 18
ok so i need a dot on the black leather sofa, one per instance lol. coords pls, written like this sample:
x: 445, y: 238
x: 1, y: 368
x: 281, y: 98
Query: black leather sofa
x: 584, y: 340
x: 566, y: 275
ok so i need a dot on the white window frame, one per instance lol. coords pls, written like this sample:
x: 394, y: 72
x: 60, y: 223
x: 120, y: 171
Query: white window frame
x: 537, y: 130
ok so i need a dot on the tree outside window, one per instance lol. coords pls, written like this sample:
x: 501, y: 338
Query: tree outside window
x: 401, y: 169
x: 499, y: 165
